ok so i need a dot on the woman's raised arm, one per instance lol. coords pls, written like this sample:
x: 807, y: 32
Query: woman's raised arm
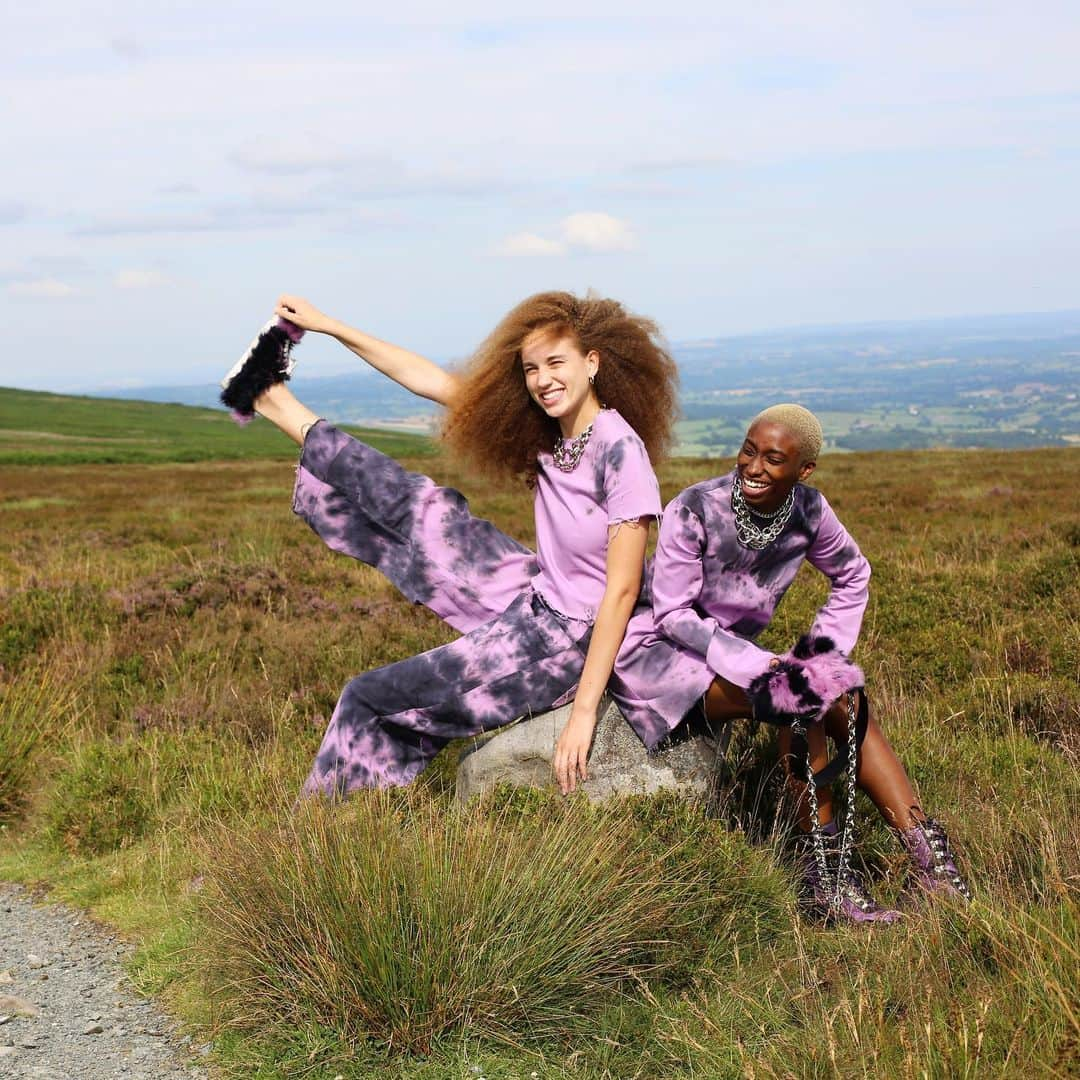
x: 411, y: 370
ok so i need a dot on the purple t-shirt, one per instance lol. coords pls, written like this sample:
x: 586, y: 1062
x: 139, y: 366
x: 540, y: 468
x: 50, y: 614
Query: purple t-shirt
x: 614, y: 481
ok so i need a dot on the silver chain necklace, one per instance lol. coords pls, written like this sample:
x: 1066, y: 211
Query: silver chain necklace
x: 567, y: 452
x: 749, y: 532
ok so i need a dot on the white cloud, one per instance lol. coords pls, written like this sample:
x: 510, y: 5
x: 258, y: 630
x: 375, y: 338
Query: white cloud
x: 589, y: 232
x: 140, y: 279
x: 598, y: 233
x: 43, y: 289
x: 529, y: 244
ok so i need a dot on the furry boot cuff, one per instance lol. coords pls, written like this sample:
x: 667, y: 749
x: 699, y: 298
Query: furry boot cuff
x: 801, y: 689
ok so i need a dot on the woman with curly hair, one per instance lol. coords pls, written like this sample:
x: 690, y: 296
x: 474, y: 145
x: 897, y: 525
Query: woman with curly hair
x: 572, y: 395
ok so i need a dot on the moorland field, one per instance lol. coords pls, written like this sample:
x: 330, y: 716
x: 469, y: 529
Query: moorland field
x: 172, y: 641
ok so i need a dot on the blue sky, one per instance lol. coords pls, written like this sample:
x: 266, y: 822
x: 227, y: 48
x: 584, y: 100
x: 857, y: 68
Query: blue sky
x: 170, y: 168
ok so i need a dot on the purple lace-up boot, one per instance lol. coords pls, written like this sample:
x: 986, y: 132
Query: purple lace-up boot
x: 816, y: 894
x: 935, y: 866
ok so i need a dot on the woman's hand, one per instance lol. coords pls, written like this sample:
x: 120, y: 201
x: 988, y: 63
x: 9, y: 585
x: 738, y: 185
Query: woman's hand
x: 297, y: 310
x: 572, y: 750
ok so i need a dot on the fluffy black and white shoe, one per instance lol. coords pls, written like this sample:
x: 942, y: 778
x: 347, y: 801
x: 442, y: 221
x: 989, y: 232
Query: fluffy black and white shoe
x: 268, y: 360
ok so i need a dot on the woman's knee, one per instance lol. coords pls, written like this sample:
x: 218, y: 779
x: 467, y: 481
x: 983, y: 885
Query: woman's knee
x: 726, y: 701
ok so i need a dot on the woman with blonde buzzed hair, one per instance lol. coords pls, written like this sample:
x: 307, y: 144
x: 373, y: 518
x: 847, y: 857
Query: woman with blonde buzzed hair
x: 728, y: 550
x: 571, y: 394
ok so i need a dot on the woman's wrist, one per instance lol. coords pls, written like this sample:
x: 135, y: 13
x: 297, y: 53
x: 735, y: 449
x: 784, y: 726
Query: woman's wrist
x: 332, y: 328
x: 582, y: 712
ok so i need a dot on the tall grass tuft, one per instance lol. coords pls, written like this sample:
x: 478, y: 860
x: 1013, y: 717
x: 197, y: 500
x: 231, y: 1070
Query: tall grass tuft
x: 397, y: 919
x: 28, y: 709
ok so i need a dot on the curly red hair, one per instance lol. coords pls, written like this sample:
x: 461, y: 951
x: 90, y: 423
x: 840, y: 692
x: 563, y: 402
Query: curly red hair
x: 497, y: 427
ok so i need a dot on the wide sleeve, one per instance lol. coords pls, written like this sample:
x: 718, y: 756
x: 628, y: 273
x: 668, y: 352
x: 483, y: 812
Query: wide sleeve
x: 631, y: 490
x: 838, y: 557
x: 678, y: 577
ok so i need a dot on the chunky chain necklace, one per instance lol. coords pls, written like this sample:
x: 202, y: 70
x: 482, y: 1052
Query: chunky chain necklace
x: 567, y: 452
x: 749, y: 532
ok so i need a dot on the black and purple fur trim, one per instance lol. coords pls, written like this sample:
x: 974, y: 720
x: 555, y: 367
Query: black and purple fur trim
x: 265, y: 363
x: 804, y: 685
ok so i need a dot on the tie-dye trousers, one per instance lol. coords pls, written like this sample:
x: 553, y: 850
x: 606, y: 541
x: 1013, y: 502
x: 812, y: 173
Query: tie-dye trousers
x: 516, y: 655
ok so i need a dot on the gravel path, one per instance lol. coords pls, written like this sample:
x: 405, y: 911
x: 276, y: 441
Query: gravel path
x: 67, y: 1011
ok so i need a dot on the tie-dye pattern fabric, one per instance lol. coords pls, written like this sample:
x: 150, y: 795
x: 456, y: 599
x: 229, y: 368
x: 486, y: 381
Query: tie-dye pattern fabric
x: 713, y: 596
x: 518, y: 654
x: 389, y: 723
x: 421, y: 536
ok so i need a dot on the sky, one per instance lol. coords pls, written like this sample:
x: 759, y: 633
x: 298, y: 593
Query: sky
x: 170, y: 168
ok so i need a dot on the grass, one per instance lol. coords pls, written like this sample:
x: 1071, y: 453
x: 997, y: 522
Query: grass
x: 399, y: 921
x: 59, y: 429
x: 172, y: 642
x: 31, y: 709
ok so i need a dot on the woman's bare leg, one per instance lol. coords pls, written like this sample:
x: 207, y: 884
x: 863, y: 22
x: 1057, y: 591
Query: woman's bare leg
x: 725, y: 701
x: 284, y: 411
x: 880, y: 772
x: 819, y: 758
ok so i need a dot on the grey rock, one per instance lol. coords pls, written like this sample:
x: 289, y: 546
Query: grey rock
x: 16, y: 1006
x: 618, y: 764
x: 93, y: 1029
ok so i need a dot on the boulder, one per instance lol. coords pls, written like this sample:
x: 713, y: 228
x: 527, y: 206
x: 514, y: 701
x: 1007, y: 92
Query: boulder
x: 619, y: 764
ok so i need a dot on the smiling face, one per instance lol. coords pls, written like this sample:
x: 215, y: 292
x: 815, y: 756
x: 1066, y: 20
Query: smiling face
x: 769, y: 465
x: 557, y: 376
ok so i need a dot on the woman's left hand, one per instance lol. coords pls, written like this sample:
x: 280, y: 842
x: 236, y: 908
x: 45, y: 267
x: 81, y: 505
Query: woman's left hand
x: 572, y: 750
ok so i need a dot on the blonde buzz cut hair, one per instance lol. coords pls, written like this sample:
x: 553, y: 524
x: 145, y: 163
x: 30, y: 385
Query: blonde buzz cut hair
x: 802, y: 423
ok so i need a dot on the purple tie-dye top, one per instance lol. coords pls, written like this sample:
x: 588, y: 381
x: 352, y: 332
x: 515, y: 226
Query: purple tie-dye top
x: 714, y: 596
x: 613, y: 482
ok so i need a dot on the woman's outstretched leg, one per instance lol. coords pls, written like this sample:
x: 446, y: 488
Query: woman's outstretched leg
x: 389, y: 723
x: 420, y: 535
x: 279, y: 405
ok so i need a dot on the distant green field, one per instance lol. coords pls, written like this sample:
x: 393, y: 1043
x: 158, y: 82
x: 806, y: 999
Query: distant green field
x: 56, y: 429
x: 886, y: 427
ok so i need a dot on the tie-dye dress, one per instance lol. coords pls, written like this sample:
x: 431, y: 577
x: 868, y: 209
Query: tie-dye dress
x: 525, y: 618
